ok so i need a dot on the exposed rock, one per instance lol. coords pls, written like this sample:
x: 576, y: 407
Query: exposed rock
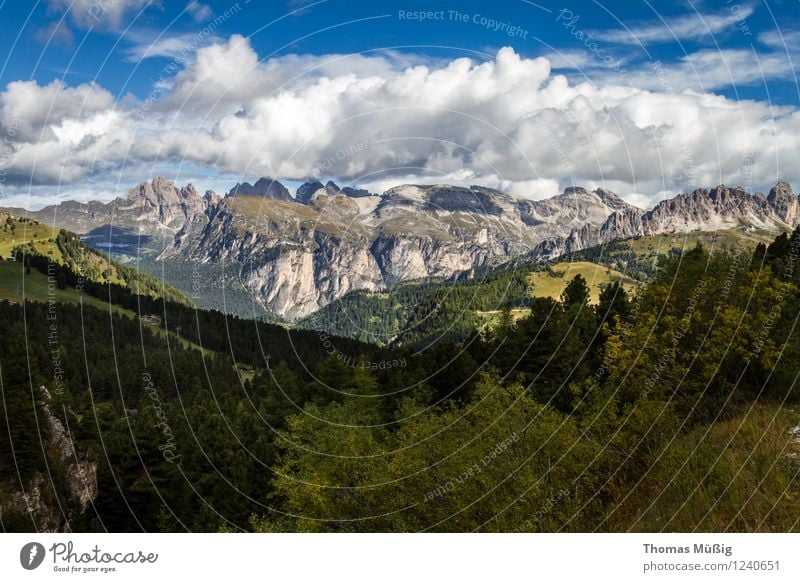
x: 49, y: 510
x: 356, y: 192
x: 314, y: 189
x: 160, y: 201
x: 81, y: 472
x: 785, y: 203
x: 307, y: 190
x: 265, y: 187
x: 296, y: 258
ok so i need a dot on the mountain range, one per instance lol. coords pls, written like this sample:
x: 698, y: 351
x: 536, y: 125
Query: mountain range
x: 294, y: 255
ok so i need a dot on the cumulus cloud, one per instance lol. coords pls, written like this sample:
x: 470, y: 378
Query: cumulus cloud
x: 383, y: 119
x: 31, y: 111
x: 229, y: 76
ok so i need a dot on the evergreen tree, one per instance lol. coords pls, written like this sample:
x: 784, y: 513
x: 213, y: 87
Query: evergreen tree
x: 22, y: 433
x: 576, y: 292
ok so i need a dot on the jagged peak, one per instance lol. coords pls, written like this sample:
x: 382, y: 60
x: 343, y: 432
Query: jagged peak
x: 570, y: 190
x: 211, y: 197
x: 611, y: 199
x: 307, y: 190
x: 265, y: 187
x: 781, y: 189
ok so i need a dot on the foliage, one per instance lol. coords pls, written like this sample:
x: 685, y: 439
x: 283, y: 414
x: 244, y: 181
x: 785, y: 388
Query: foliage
x: 667, y: 411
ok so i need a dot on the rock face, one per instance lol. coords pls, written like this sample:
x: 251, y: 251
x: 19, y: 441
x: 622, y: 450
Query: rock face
x: 307, y: 191
x: 37, y: 500
x: 314, y: 189
x: 266, y: 187
x: 295, y: 255
x: 298, y: 257
x: 704, y: 209
x: 160, y: 201
x: 785, y: 203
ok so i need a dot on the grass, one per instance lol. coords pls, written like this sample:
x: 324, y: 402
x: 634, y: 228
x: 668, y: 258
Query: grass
x: 257, y: 211
x: 715, y: 240
x: 16, y: 232
x: 17, y: 286
x: 552, y: 284
x: 731, y: 476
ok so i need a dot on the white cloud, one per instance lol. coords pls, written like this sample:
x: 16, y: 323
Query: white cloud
x: 57, y: 33
x: 708, y: 70
x: 783, y: 40
x: 687, y: 27
x: 89, y: 14
x: 229, y: 76
x: 29, y: 110
x: 182, y: 47
x: 199, y: 11
x: 381, y: 120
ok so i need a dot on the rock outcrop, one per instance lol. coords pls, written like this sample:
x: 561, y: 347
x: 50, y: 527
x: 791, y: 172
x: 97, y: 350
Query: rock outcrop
x: 265, y: 187
x: 37, y: 501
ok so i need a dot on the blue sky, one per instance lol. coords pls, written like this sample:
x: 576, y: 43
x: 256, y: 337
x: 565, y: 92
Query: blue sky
x: 125, y: 88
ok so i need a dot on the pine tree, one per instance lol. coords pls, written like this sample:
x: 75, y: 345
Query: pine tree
x: 21, y: 440
x: 576, y: 292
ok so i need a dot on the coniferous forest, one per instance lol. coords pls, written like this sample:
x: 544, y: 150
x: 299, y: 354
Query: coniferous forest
x: 667, y: 409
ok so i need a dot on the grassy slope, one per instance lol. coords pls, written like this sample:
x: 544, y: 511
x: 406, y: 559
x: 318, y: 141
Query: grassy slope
x: 17, y: 286
x: 38, y: 238
x: 16, y: 232
x: 552, y: 284
x: 639, y: 256
x: 729, y: 239
x: 545, y: 284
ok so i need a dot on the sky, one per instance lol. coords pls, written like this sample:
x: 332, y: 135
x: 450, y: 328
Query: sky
x: 646, y: 99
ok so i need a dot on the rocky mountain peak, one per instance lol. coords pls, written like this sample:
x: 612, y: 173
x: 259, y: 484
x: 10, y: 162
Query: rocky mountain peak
x: 785, y: 202
x: 159, y: 200
x: 153, y: 193
x: 356, y: 192
x: 409, y: 232
x: 611, y: 199
x: 264, y: 187
x: 307, y: 190
x: 211, y: 198
x: 781, y: 190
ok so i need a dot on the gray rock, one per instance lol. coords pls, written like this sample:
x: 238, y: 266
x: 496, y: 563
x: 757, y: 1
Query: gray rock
x: 264, y: 187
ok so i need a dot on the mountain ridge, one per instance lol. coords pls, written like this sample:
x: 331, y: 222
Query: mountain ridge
x: 296, y: 255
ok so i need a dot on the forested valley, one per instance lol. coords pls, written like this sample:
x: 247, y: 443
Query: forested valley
x: 670, y: 409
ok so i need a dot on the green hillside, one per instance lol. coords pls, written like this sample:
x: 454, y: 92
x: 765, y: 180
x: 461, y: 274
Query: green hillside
x: 18, y: 286
x: 639, y: 257
x: 551, y: 282
x: 413, y: 314
x: 25, y: 236
x: 417, y: 313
